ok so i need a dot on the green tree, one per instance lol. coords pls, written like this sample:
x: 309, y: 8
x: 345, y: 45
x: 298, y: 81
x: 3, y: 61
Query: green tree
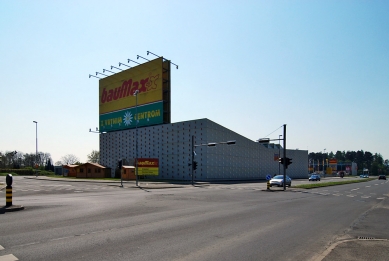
x: 94, y: 156
x: 378, y: 158
x: 339, y: 156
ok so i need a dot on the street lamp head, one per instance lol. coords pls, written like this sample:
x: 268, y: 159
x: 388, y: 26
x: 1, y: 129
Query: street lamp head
x: 136, y: 92
x: 35, y: 122
x: 264, y: 140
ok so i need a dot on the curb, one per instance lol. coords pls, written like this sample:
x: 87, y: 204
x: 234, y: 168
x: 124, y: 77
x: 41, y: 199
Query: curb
x: 11, y: 208
x: 327, y: 252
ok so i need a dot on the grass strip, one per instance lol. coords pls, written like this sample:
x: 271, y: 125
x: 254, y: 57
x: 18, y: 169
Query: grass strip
x: 332, y: 183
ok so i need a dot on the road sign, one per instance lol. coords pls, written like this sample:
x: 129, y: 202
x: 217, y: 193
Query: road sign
x: 268, y: 177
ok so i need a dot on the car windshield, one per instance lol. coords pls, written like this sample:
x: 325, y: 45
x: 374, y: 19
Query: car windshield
x: 278, y: 177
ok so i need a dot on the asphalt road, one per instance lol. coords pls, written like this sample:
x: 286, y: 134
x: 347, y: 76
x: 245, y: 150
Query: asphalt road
x: 99, y: 221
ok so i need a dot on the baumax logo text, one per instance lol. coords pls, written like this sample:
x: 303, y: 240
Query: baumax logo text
x: 147, y: 163
x: 128, y: 88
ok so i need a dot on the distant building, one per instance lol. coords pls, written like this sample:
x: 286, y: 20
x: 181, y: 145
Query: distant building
x: 128, y: 173
x: 171, y: 144
x: 69, y: 170
x: 92, y: 170
x: 58, y: 170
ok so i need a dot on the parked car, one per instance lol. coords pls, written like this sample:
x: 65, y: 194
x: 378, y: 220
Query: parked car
x: 279, y: 181
x: 314, y: 177
x: 364, y: 176
x: 382, y: 177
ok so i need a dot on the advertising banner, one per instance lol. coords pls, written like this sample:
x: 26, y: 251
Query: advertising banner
x: 116, y: 92
x: 148, y: 166
x: 150, y: 114
x: 333, y: 161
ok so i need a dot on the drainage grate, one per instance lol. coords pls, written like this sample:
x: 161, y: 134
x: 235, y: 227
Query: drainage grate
x: 366, y: 238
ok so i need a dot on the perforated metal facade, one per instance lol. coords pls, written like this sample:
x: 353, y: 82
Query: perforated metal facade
x: 171, y: 144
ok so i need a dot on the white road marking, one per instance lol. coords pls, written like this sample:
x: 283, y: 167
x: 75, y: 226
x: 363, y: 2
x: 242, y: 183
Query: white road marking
x: 9, y: 257
x: 1, y: 247
x: 368, y: 186
x: 355, y: 189
x: 380, y: 198
x: 365, y: 196
x: 351, y: 196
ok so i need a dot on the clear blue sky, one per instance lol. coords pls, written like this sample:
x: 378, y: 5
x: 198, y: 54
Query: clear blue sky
x: 321, y: 67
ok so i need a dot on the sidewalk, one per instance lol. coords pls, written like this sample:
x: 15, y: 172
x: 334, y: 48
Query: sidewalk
x: 357, y: 250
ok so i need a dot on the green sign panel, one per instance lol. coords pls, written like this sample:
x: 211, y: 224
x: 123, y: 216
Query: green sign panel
x: 150, y: 114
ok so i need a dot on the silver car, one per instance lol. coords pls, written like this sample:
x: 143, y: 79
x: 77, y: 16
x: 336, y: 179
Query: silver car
x: 279, y: 181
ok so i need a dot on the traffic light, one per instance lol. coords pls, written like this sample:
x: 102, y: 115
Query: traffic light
x: 281, y: 160
x: 194, y: 165
x: 288, y: 162
x: 120, y: 164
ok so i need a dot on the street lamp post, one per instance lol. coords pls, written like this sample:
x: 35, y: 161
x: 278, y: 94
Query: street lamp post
x: 136, y: 136
x: 36, y: 143
x: 324, y: 166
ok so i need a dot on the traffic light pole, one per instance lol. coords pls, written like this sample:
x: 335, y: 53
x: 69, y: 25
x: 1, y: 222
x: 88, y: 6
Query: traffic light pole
x: 212, y: 144
x: 284, y: 156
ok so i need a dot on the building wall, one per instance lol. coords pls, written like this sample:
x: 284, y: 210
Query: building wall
x: 171, y: 144
x: 91, y: 171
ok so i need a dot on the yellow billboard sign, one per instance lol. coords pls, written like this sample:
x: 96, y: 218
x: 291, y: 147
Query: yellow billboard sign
x: 116, y: 92
x: 148, y: 166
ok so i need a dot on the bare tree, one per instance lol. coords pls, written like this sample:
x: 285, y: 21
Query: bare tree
x: 29, y: 159
x: 58, y: 163
x: 94, y: 156
x: 69, y: 159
